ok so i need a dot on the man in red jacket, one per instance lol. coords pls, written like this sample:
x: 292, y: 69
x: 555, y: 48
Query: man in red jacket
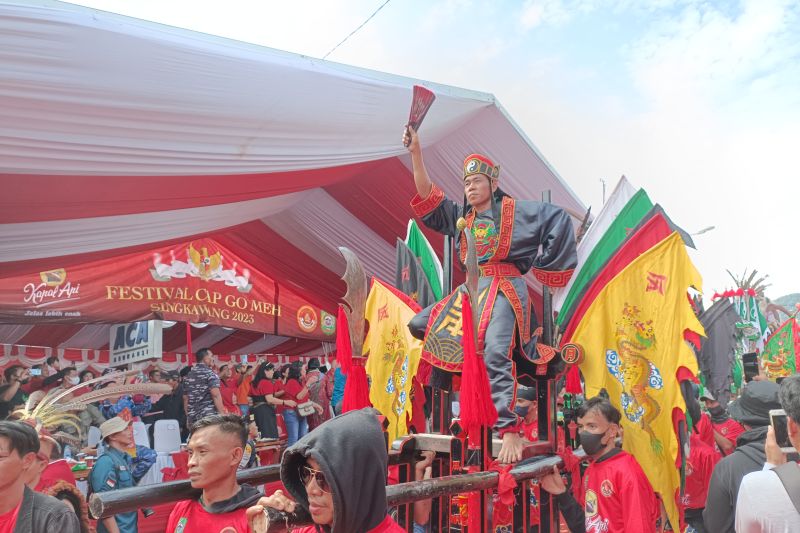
x: 615, y: 493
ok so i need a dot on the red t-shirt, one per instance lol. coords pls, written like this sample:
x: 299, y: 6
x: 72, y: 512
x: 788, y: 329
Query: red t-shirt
x: 292, y: 389
x: 705, y: 430
x: 8, y: 521
x: 387, y: 526
x: 702, y: 460
x: 531, y: 431
x: 189, y: 516
x: 227, y: 392
x: 53, y: 473
x: 264, y: 387
x: 730, y: 429
x: 617, y: 496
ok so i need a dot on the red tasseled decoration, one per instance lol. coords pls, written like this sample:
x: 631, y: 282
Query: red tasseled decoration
x: 573, y: 382
x: 477, y: 408
x: 344, y: 351
x: 356, y: 389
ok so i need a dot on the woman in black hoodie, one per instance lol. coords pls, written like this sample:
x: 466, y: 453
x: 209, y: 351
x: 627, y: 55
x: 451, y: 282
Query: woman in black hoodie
x: 337, y: 473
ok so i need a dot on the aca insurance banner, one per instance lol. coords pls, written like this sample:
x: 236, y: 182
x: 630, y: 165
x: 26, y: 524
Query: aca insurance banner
x: 196, y: 281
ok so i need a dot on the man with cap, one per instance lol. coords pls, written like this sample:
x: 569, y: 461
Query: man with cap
x: 112, y: 471
x: 752, y: 411
x: 526, y: 409
x: 726, y: 429
x: 508, y: 234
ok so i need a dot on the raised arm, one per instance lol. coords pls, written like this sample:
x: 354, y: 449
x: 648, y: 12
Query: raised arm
x: 421, y: 179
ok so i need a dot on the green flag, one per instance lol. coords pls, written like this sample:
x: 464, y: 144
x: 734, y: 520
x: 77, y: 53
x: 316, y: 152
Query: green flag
x: 779, y: 358
x: 629, y: 217
x: 431, y: 265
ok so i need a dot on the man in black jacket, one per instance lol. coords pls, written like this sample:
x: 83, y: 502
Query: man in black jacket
x: 752, y: 411
x: 21, y: 509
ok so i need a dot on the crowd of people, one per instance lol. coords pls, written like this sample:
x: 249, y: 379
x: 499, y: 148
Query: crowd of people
x: 335, y: 468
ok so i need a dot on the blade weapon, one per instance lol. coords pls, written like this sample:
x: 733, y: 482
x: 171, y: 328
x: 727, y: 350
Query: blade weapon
x: 355, y: 298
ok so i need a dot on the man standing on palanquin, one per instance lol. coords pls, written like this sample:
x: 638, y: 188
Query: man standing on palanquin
x: 508, y: 234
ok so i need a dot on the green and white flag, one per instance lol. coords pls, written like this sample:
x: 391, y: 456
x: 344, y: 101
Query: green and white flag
x: 431, y: 265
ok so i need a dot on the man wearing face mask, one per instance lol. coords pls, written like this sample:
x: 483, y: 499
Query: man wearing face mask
x: 726, y: 429
x: 617, y: 495
x: 526, y: 411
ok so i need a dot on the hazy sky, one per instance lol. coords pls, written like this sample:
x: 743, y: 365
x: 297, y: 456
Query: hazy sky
x: 696, y: 101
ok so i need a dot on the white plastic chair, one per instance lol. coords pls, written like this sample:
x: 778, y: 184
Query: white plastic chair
x: 140, y: 434
x: 94, y: 436
x: 167, y: 436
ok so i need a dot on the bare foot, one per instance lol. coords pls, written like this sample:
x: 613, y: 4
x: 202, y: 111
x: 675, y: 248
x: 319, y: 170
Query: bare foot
x: 511, y: 451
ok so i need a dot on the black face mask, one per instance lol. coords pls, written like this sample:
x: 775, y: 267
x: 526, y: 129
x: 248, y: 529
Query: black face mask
x: 591, y: 442
x: 521, y: 411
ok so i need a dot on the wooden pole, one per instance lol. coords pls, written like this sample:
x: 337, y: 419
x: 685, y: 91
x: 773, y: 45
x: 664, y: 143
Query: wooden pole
x: 103, y: 504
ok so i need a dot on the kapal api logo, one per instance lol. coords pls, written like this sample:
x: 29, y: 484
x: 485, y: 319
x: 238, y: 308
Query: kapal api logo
x: 54, y: 288
x: 204, y: 264
x: 307, y: 318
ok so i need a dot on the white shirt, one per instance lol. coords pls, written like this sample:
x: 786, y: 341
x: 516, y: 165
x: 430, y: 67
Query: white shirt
x: 763, y: 506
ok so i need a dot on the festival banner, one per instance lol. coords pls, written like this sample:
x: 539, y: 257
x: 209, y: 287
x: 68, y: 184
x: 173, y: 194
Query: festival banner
x: 633, y: 337
x: 779, y: 358
x: 393, y: 354
x: 194, y: 281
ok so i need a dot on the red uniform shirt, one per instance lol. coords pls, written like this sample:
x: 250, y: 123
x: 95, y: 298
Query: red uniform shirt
x: 531, y: 431
x: 730, y: 429
x: 617, y: 497
x: 705, y: 430
x: 702, y: 459
x: 189, y: 516
x: 387, y: 526
x: 292, y: 389
x: 228, y: 393
x: 8, y: 521
x: 263, y: 388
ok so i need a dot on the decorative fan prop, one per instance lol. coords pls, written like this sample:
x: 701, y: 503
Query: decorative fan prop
x: 421, y: 102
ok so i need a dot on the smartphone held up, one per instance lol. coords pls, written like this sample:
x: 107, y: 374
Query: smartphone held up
x: 780, y: 426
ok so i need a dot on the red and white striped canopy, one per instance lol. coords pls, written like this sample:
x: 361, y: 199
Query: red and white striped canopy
x: 118, y: 135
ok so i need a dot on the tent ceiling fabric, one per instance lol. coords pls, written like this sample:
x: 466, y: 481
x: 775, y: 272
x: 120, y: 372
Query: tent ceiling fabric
x: 137, y: 134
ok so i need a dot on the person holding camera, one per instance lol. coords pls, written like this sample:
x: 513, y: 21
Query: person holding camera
x: 769, y: 499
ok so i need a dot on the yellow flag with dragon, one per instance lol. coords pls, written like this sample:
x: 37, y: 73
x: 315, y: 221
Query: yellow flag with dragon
x: 633, y: 336
x: 393, y: 354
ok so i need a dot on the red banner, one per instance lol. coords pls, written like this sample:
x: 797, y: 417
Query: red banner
x: 197, y: 281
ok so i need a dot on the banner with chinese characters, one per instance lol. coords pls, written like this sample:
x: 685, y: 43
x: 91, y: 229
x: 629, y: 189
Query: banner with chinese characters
x: 195, y: 281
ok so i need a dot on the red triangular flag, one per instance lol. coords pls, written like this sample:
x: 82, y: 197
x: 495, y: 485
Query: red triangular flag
x: 477, y: 407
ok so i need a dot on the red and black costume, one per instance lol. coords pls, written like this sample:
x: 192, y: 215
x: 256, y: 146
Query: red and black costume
x: 507, y: 238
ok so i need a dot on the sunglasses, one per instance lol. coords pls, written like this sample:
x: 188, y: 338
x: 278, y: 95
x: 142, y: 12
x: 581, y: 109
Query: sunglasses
x: 307, y: 473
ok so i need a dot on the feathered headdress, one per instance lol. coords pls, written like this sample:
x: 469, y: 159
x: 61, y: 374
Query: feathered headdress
x: 52, y: 409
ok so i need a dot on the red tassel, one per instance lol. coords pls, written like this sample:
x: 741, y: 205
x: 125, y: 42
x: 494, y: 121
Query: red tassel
x: 356, y: 389
x: 344, y: 351
x: 477, y: 408
x: 573, y: 383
